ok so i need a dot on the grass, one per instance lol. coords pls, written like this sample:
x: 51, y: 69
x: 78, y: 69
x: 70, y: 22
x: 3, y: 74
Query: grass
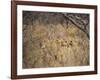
x: 56, y: 44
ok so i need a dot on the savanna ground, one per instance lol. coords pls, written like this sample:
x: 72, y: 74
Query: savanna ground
x: 54, y: 40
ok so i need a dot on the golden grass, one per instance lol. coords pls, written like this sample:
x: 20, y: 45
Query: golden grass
x: 54, y: 46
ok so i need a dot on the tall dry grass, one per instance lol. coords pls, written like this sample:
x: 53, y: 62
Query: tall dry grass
x: 50, y: 41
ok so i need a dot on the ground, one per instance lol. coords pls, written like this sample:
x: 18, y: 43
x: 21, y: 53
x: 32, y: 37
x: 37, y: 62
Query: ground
x: 50, y: 40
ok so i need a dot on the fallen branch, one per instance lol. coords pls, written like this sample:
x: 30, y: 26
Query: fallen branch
x: 79, y: 23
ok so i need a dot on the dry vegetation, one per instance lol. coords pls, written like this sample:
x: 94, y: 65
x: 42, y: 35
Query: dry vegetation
x: 51, y: 40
